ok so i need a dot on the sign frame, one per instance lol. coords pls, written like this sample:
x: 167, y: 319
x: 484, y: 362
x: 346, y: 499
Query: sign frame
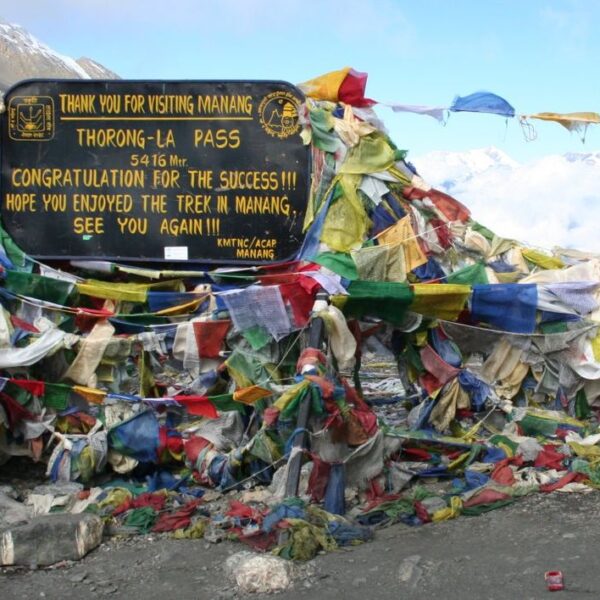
x: 173, y: 251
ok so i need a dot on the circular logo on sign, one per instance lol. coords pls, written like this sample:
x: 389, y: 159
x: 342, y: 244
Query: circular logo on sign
x: 278, y: 113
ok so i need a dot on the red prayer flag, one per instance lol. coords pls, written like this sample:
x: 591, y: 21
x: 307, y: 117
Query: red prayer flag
x: 319, y: 476
x: 503, y: 474
x: 21, y: 324
x: 557, y: 485
x: 352, y: 90
x: 210, y: 337
x: 199, y: 406
x: 550, y: 458
x: 451, y: 208
x: 486, y: 496
x: 299, y: 299
x: 35, y: 388
x: 14, y: 411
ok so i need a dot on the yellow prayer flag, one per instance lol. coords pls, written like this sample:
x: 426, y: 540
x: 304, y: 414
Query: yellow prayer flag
x: 129, y: 292
x: 510, y: 277
x: 325, y: 87
x: 542, y: 260
x: 589, y: 452
x: 90, y: 394
x: 596, y: 347
x: 571, y: 121
x: 182, y: 309
x: 440, y: 300
x: 251, y: 394
x: 346, y: 222
x: 450, y: 512
x: 290, y: 394
x: 402, y: 233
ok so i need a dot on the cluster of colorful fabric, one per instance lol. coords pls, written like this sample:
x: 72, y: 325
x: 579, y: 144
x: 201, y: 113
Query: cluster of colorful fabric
x: 141, y: 370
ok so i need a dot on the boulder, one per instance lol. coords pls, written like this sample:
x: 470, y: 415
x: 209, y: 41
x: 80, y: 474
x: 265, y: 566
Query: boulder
x: 49, y: 539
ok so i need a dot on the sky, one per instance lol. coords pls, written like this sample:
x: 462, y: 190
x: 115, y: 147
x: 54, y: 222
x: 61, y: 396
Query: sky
x: 540, y: 55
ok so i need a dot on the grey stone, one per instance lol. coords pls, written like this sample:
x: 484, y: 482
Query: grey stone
x: 12, y: 512
x: 255, y: 573
x: 9, y: 490
x: 61, y: 488
x: 408, y: 571
x: 48, y: 539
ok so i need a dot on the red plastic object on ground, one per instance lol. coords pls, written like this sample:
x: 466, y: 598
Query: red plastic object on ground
x: 554, y: 580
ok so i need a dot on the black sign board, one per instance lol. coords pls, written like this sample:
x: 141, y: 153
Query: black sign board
x: 206, y: 171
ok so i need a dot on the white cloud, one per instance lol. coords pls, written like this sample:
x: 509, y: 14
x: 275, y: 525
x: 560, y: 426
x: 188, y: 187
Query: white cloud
x: 553, y: 201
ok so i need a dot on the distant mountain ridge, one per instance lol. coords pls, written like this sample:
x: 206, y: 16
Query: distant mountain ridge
x: 456, y: 172
x: 554, y: 200
x: 23, y: 56
x: 452, y: 170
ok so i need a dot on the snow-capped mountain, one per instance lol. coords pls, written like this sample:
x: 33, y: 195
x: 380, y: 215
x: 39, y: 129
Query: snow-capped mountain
x: 554, y: 200
x: 23, y: 56
x: 452, y: 170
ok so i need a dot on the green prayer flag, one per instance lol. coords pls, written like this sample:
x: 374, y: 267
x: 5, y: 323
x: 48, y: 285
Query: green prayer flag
x: 478, y: 509
x: 246, y: 369
x: 323, y: 135
x: 141, y: 518
x: 148, y: 387
x: 339, y: 263
x: 18, y: 258
x: 225, y: 402
x: 292, y: 408
x: 56, y: 395
x: 21, y: 395
x: 387, y: 300
x: 257, y: 336
x: 582, y: 408
x: 484, y: 231
x: 471, y: 275
x: 38, y: 286
x: 554, y: 327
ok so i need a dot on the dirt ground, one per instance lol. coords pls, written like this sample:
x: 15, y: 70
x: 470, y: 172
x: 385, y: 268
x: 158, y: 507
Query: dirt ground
x: 501, y: 554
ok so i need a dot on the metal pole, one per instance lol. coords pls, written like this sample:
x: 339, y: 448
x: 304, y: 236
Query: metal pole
x: 316, y: 336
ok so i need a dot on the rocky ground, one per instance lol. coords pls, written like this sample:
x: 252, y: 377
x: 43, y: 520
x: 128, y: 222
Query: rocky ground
x: 502, y: 554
